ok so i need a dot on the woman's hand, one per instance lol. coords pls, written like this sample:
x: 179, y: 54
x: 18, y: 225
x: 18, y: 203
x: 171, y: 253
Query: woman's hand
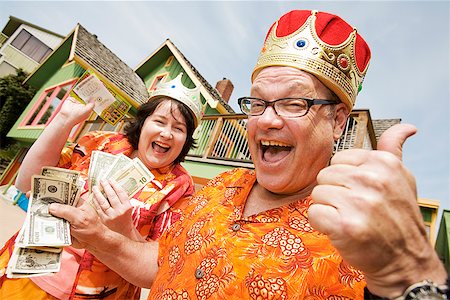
x: 73, y: 112
x: 115, y: 211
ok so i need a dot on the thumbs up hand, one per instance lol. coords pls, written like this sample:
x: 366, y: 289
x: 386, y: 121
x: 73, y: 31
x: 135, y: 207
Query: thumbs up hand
x: 366, y: 202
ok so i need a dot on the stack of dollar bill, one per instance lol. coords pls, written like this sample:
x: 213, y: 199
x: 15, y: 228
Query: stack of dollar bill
x: 38, y: 246
x: 39, y: 243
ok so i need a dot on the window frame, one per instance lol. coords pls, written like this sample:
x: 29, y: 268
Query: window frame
x: 56, y: 89
x: 162, y: 78
x: 31, y: 37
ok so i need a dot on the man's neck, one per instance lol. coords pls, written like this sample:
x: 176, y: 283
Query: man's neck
x: 261, y: 199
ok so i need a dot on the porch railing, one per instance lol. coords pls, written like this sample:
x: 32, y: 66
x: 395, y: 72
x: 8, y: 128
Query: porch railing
x: 222, y: 139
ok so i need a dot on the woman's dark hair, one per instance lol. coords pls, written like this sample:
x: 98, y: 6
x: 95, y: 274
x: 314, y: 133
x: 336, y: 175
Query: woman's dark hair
x: 133, y: 129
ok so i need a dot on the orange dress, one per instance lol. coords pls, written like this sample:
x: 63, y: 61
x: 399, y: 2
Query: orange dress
x: 214, y: 252
x: 91, y: 279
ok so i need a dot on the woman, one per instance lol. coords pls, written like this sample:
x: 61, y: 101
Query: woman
x: 160, y: 136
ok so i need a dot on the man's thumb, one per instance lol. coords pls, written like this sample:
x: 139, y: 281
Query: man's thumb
x: 393, y: 138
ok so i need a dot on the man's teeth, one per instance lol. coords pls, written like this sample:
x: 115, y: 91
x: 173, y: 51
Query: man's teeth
x: 273, y: 143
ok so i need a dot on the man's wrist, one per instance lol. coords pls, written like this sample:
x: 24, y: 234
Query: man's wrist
x: 426, y: 289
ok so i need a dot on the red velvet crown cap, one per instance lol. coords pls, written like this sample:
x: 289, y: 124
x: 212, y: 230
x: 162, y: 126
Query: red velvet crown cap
x: 343, y: 51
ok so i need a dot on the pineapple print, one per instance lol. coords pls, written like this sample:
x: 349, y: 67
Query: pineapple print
x: 170, y: 294
x: 348, y: 275
x: 174, y: 256
x: 228, y: 196
x: 215, y: 182
x: 209, y: 283
x: 300, y: 224
x: 202, y: 201
x: 209, y: 263
x: 260, y: 288
x: 289, y: 244
x: 195, y: 239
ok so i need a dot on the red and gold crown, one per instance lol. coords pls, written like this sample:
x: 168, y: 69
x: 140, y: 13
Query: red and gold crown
x: 319, y: 43
x: 176, y: 90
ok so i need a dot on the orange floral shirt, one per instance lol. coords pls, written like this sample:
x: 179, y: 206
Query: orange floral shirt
x: 213, y: 252
x: 92, y: 279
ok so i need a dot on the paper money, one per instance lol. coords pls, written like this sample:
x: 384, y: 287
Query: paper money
x: 120, y: 164
x: 106, y: 105
x: 44, y: 229
x: 71, y: 175
x: 134, y: 178
x: 27, y: 262
x: 92, y: 88
x: 100, y: 164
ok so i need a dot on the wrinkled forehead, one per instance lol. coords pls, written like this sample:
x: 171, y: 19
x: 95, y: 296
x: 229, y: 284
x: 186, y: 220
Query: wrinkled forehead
x: 289, y: 80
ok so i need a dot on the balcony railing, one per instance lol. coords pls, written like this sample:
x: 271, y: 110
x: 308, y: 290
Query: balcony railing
x: 222, y: 139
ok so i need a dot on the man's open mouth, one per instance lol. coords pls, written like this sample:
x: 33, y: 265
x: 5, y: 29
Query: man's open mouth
x: 273, y: 151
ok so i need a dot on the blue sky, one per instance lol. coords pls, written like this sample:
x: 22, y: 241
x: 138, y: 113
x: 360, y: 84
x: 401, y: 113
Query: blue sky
x: 408, y: 77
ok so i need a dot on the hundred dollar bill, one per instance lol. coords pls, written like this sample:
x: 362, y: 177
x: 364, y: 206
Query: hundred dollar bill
x: 31, y: 261
x: 44, y: 229
x: 70, y: 175
x: 134, y: 178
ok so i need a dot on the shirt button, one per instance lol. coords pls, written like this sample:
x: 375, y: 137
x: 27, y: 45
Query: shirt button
x: 199, y: 273
x: 236, y: 227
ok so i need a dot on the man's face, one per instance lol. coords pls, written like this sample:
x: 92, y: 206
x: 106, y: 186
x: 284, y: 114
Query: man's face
x: 288, y: 153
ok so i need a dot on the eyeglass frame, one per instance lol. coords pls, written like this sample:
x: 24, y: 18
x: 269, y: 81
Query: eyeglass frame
x: 309, y: 101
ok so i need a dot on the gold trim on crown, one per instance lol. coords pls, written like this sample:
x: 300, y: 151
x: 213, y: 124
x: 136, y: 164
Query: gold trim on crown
x: 334, y: 65
x: 176, y: 90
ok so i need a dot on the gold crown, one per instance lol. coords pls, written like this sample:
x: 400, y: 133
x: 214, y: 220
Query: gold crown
x: 176, y: 90
x: 334, y: 65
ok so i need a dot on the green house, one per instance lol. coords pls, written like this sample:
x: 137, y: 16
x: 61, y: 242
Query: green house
x: 81, y: 51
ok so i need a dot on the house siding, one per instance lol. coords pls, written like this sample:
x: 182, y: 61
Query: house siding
x: 30, y: 134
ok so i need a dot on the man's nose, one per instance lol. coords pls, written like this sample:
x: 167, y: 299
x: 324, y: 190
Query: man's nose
x: 270, y: 119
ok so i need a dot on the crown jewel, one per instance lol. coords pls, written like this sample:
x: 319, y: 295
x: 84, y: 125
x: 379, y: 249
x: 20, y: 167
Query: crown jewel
x: 176, y: 90
x: 336, y: 66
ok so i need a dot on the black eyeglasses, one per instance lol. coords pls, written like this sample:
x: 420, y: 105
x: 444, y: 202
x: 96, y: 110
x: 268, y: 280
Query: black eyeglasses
x: 284, y: 107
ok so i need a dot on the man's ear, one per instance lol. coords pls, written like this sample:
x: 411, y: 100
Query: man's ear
x: 340, y: 120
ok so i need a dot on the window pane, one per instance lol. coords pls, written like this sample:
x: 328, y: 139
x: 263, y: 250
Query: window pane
x: 44, y: 56
x: 21, y: 39
x: 35, y: 49
x: 55, y: 102
x: 38, y: 109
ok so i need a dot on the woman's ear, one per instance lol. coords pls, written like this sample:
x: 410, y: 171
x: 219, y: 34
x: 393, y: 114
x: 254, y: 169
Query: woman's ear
x: 340, y: 120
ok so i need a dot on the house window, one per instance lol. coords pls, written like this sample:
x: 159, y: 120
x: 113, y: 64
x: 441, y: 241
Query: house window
x: 48, y: 105
x: 157, y: 81
x: 31, y: 46
x: 169, y: 61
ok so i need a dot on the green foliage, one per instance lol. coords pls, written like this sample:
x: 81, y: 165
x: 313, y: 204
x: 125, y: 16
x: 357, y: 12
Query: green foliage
x: 14, y: 98
x: 10, y: 151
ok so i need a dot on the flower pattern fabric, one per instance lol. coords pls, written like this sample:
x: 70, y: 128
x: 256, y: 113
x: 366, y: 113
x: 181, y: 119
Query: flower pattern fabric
x: 93, y: 279
x: 214, y: 252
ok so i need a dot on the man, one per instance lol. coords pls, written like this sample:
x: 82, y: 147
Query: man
x: 295, y: 227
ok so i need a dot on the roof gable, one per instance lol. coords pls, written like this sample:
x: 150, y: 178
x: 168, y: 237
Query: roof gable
x: 91, y: 51
x: 87, y: 50
x: 14, y: 23
x: 211, y: 95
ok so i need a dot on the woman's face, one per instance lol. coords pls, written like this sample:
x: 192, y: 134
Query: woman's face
x: 162, y: 136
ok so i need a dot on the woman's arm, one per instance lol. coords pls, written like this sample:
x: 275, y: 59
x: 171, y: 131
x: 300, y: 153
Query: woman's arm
x: 47, y: 148
x: 135, y: 261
